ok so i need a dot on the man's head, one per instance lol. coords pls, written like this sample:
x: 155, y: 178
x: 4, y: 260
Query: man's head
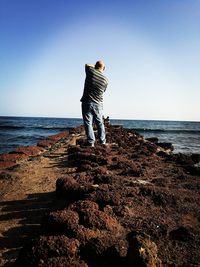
x: 100, y: 65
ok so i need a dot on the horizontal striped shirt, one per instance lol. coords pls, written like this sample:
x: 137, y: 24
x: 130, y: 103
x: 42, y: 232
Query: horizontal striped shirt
x: 95, y: 85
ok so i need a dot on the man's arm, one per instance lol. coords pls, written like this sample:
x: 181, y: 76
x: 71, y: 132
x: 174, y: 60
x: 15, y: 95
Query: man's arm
x: 90, y: 65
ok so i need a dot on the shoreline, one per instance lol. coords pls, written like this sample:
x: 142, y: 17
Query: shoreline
x: 135, y: 196
x: 27, y: 131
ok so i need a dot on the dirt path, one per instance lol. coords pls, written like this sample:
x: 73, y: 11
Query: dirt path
x: 26, y: 195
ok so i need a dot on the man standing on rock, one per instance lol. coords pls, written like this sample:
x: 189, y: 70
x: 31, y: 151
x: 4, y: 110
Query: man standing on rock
x: 92, y: 101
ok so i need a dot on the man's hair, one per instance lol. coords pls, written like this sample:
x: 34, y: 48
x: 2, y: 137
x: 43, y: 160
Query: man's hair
x: 99, y: 65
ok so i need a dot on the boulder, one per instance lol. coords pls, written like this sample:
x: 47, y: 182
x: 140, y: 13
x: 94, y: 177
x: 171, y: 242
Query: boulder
x: 50, y: 251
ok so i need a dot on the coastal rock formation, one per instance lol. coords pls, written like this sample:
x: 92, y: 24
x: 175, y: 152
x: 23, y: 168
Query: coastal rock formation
x: 11, y: 159
x: 51, y: 251
x: 129, y: 203
x: 23, y: 153
x: 30, y: 150
x: 52, y: 140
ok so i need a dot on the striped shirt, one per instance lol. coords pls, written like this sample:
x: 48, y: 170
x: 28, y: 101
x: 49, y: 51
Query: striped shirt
x: 95, y: 85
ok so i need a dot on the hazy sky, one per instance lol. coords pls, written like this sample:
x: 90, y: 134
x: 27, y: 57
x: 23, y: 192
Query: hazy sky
x: 151, y: 49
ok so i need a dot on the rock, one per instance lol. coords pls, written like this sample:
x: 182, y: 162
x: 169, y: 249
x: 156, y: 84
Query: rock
x: 101, y: 248
x: 166, y: 146
x: 193, y: 170
x: 50, y: 249
x: 61, y: 222
x: 58, y: 137
x: 180, y: 234
x: 188, y: 162
x: 195, y: 158
x: 11, y: 160
x: 46, y: 143
x: 84, y: 234
x: 84, y: 205
x: 71, y: 190
x: 182, y: 159
x: 14, y: 157
x: 162, y: 153
x: 142, y: 252
x: 6, y: 176
x: 84, y: 157
x: 62, y: 262
x: 97, y: 219
x: 105, y: 197
x: 53, y: 139
x: 30, y: 150
x: 7, y: 164
x: 152, y: 140
x: 76, y: 130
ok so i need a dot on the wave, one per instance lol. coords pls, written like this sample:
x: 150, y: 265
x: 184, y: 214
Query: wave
x: 188, y: 131
x: 52, y: 128
x: 11, y: 127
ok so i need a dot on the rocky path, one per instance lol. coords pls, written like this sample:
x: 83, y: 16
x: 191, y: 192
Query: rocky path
x: 129, y: 203
x: 27, y: 192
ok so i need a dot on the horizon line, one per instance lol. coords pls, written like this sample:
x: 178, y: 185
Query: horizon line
x: 52, y: 117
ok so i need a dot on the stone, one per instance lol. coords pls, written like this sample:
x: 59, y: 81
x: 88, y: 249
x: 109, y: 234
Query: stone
x: 142, y: 252
x: 46, y: 143
x: 152, y: 140
x: 58, y: 137
x: 30, y: 150
x: 62, y: 221
x: 166, y: 146
x: 11, y: 159
x: 50, y: 249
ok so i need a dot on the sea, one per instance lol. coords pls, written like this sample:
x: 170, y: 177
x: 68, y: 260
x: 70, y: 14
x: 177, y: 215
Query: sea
x: 25, y: 131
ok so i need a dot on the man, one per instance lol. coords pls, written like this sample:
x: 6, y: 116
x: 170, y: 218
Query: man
x: 92, y: 101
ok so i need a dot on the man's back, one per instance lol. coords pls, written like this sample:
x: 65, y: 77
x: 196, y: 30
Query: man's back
x: 95, y: 85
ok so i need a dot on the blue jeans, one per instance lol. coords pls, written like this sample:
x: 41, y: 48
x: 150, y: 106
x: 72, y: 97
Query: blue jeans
x: 93, y: 112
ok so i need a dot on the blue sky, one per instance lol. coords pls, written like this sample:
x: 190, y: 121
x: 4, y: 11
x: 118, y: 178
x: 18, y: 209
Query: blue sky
x: 151, y: 50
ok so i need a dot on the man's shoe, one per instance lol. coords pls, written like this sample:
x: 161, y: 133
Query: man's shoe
x: 105, y: 144
x: 90, y: 145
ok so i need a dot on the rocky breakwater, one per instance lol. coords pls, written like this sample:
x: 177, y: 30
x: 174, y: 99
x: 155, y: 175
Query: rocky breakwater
x: 24, y: 153
x: 124, y: 204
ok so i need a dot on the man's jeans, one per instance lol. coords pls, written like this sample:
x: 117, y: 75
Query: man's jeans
x: 93, y: 112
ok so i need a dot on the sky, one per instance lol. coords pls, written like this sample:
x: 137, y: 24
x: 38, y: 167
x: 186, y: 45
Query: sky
x: 151, y: 49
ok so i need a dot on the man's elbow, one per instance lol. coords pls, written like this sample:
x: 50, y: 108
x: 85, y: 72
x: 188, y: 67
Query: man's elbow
x: 89, y: 65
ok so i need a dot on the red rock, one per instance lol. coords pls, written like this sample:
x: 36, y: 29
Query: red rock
x: 105, y: 197
x: 53, y: 139
x: 84, y: 205
x: 91, y: 217
x: 143, y: 252
x: 14, y: 157
x: 103, y: 248
x: 30, y: 150
x: 7, y: 164
x: 84, y: 234
x: 45, y: 143
x: 59, y: 136
x: 64, y: 221
x: 77, y: 130
x: 51, y: 251
x: 71, y: 190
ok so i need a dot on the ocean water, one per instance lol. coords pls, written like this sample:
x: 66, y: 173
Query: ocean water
x: 23, y: 131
